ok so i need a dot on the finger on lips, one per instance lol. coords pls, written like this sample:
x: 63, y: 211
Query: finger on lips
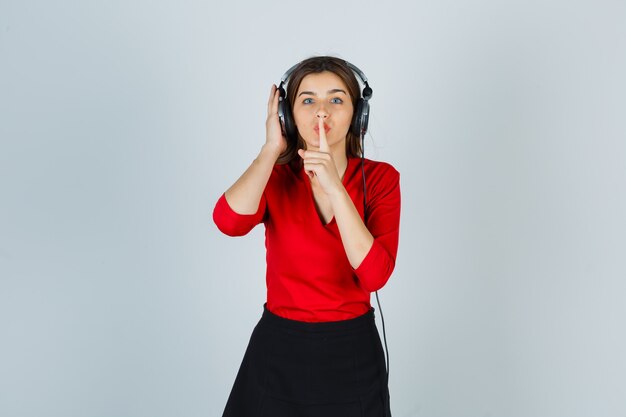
x: 323, y: 141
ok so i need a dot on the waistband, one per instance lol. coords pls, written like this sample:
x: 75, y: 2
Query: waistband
x: 317, y: 327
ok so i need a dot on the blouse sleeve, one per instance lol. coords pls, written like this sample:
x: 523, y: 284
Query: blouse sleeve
x: 232, y: 223
x: 383, y: 222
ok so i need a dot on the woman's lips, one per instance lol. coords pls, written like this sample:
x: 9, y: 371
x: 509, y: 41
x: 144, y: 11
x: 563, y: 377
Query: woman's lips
x: 317, y: 129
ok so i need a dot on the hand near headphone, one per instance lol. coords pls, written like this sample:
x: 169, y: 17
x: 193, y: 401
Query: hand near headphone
x: 273, y: 133
x: 320, y: 165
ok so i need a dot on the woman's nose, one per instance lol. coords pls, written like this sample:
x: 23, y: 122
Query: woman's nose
x: 321, y: 112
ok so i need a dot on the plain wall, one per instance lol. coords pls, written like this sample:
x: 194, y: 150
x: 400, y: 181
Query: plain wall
x: 122, y: 122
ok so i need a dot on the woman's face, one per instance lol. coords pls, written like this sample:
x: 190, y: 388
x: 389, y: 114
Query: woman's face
x: 323, y: 95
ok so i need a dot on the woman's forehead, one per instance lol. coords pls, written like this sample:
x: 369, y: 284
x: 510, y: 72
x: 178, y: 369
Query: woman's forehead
x: 322, y: 81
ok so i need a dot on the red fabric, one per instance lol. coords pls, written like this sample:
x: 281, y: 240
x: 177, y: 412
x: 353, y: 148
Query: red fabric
x: 309, y: 277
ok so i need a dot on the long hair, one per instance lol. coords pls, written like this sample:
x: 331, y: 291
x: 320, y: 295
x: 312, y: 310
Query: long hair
x: 314, y: 65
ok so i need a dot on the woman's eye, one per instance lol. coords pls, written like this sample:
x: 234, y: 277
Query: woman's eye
x: 336, y: 100
x: 307, y: 101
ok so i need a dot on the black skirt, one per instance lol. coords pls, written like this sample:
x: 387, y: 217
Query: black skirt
x: 299, y: 369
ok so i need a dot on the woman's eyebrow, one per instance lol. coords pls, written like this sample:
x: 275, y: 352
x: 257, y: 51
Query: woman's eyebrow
x: 333, y: 91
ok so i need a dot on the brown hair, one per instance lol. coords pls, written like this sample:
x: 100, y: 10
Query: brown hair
x: 314, y: 65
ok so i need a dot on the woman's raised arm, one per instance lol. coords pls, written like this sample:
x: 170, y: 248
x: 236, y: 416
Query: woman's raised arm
x: 245, y: 194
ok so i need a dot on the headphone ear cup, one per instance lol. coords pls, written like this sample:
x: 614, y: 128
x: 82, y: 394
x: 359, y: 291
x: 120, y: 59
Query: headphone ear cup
x: 360, y: 119
x: 285, y: 116
x: 290, y: 125
x: 281, y: 107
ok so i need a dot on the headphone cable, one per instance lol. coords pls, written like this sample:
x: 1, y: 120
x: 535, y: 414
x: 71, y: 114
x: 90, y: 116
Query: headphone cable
x: 377, y: 299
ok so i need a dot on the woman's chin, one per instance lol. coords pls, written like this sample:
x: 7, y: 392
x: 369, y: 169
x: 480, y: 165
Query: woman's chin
x: 312, y: 144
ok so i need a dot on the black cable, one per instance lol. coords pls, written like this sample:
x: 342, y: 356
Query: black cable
x: 384, y: 333
x: 377, y: 299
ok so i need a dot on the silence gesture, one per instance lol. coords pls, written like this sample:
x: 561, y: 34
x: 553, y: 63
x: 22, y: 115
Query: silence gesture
x: 320, y: 165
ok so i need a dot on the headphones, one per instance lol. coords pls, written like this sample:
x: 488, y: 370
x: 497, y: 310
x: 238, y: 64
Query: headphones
x: 360, y: 117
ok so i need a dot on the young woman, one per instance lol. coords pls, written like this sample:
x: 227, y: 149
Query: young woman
x: 332, y: 222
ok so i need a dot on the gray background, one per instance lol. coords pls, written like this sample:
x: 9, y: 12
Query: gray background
x: 121, y: 123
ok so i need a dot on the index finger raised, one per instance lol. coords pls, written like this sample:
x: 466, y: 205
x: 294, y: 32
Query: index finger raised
x: 323, y: 142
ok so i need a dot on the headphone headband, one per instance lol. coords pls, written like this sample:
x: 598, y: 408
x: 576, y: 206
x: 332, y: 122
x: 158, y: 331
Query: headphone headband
x: 366, y: 93
x: 287, y: 74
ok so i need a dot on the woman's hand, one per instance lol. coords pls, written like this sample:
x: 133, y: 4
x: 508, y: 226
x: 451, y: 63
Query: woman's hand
x: 273, y: 133
x: 320, y: 165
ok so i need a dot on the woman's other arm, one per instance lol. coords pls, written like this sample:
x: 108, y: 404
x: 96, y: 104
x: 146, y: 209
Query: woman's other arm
x: 371, y: 249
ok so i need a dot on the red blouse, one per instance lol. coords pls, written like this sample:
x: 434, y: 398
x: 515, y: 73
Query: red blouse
x: 309, y: 277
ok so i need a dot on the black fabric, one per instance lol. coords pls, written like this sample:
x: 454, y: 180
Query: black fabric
x: 299, y: 369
